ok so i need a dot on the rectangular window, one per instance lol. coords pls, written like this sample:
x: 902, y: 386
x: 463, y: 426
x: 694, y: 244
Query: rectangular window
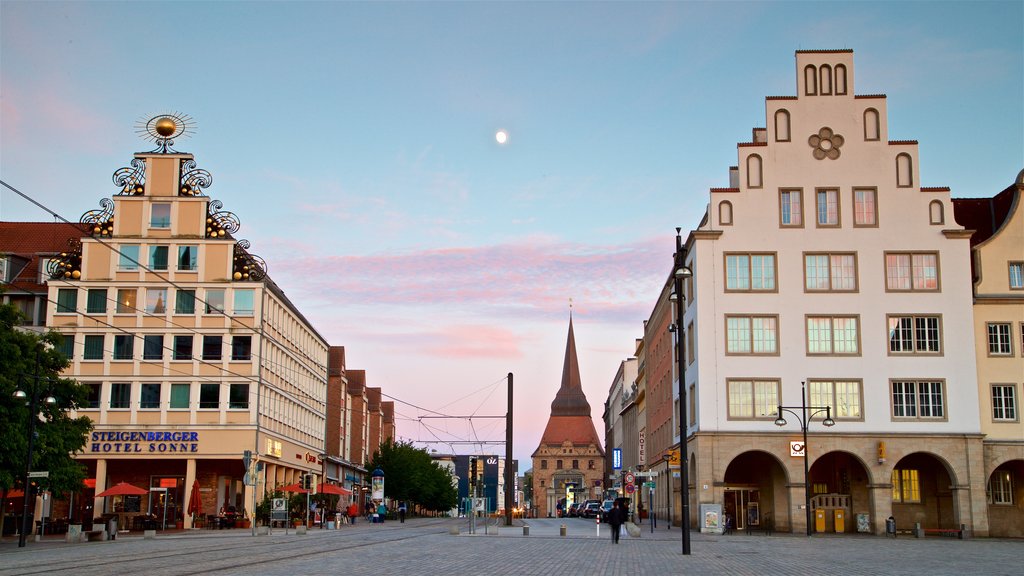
x: 843, y: 396
x: 156, y: 300
x: 1004, y: 402
x: 912, y: 271
x: 149, y: 396
x: 238, y: 397
x: 180, y: 396
x: 543, y: 464
x: 865, y: 207
x: 753, y: 398
x: 212, y: 346
x: 1000, y: 488
x: 917, y: 399
x: 120, y: 395
x: 93, y: 349
x: 752, y: 334
x: 209, y: 396
x: 92, y: 398
x: 999, y: 339
x: 160, y: 215
x: 558, y: 464
x: 153, y: 347
x: 188, y: 258
x: 183, y: 347
x: 1016, y: 275
x: 915, y: 335
x: 128, y: 257
x: 214, y: 301
x: 827, y: 207
x: 906, y: 486
x: 158, y: 257
x: 124, y: 346
x: 241, y: 347
x: 185, y: 301
x: 750, y: 272
x: 67, y: 345
x: 126, y: 300
x: 67, y: 300
x: 833, y: 335
x: 830, y: 272
x: 96, y: 301
x: 244, y: 302
x: 791, y: 212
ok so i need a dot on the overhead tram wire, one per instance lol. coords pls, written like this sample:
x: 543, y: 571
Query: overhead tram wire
x: 144, y: 267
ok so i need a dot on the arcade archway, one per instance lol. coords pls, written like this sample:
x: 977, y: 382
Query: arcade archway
x: 755, y: 492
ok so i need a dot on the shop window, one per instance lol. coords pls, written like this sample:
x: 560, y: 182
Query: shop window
x: 906, y: 485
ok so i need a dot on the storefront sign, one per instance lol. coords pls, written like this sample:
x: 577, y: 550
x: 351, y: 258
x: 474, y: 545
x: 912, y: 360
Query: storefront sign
x: 643, y: 448
x: 122, y: 442
x: 616, y: 458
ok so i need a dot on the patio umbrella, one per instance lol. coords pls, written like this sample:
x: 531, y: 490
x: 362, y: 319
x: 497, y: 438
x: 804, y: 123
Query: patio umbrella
x: 195, y: 501
x: 122, y: 489
x: 297, y: 488
x: 333, y: 489
x: 16, y: 493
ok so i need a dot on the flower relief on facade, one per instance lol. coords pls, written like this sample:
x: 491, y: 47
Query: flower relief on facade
x: 826, y: 144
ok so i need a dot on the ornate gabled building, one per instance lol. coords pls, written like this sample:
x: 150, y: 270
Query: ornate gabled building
x: 568, y: 464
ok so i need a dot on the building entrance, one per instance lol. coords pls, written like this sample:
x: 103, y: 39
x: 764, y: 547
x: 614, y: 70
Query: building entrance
x: 742, y: 507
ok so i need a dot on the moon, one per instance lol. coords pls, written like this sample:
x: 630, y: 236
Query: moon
x: 501, y: 136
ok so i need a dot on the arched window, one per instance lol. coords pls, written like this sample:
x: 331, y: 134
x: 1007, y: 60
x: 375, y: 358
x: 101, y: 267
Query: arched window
x: 871, y: 128
x: 840, y: 80
x: 810, y: 81
x: 725, y: 213
x: 826, y: 79
x: 753, y: 171
x: 782, y: 125
x: 904, y: 170
x: 935, y: 212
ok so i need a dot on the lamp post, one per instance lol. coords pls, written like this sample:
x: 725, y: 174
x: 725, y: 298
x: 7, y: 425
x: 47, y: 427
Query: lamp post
x: 679, y: 272
x: 32, y: 399
x: 807, y: 413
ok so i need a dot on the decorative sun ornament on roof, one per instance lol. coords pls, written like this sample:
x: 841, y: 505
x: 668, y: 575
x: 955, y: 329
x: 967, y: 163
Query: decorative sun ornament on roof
x: 826, y: 144
x: 164, y: 128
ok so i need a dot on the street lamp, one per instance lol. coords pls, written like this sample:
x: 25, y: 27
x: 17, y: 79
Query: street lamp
x: 807, y: 413
x: 32, y: 399
x: 679, y: 272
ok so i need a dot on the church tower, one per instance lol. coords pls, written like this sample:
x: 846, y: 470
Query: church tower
x: 569, y: 462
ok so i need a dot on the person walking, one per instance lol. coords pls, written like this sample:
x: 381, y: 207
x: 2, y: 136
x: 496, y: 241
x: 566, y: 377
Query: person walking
x: 616, y: 516
x: 401, y: 511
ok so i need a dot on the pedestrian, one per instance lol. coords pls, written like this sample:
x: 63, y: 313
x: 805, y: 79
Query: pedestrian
x: 401, y: 511
x: 382, y: 511
x: 616, y: 516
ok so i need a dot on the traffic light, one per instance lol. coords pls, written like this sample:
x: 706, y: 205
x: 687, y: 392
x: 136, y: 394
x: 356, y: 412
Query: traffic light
x: 472, y: 472
x: 306, y: 481
x: 312, y: 483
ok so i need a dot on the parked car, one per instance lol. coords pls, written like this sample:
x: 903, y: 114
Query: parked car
x: 591, y: 509
x: 574, y: 510
x: 606, y: 507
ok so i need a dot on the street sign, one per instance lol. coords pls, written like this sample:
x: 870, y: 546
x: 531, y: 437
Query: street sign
x: 629, y: 478
x: 650, y: 484
x: 630, y: 488
x: 42, y: 474
x: 647, y: 474
x: 673, y: 457
x: 796, y: 449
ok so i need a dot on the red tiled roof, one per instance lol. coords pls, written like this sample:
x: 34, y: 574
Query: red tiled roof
x: 780, y: 98
x: 32, y: 240
x: 869, y: 96
x: 725, y: 189
x: 577, y: 429
x: 744, y: 144
x: 934, y: 188
x: 834, y: 51
x: 901, y: 142
x: 984, y: 215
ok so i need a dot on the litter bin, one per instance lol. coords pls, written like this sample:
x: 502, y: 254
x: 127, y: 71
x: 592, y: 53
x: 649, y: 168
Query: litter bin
x: 890, y: 526
x: 112, y: 528
x: 819, y: 520
x: 840, y: 521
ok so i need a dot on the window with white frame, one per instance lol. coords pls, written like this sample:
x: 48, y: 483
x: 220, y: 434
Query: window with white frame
x: 999, y: 343
x: 67, y: 300
x: 188, y: 258
x: 1004, y: 402
x: 128, y: 257
x: 1000, y: 488
x: 750, y: 272
x: 838, y: 335
x: 751, y: 334
x: 843, y: 396
x: 156, y: 300
x: 918, y: 399
x: 1016, y: 275
x: 915, y: 335
x: 906, y: 485
x: 912, y: 271
x: 865, y: 207
x: 243, y: 302
x: 753, y: 398
x: 791, y: 212
x: 827, y: 207
x: 214, y: 301
x: 830, y: 272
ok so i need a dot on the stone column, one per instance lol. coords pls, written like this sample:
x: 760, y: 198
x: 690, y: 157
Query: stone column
x: 881, y: 500
x: 101, y: 485
x: 190, y: 478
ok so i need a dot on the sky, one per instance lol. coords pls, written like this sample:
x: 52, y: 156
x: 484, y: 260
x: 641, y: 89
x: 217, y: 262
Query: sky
x: 356, y: 143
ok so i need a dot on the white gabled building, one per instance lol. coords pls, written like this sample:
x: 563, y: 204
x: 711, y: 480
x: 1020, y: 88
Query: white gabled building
x: 827, y: 262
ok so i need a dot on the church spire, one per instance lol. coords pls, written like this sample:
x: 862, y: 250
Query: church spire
x: 570, y: 400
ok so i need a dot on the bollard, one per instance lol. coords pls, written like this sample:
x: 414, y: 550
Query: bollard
x: 598, y: 523
x: 561, y: 530
x: 453, y: 530
x: 526, y: 530
x: 148, y: 534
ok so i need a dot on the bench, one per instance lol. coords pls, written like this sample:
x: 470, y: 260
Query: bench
x: 94, y: 535
x: 944, y: 532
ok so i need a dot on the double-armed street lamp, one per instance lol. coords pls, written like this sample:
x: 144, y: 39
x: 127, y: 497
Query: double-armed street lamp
x: 31, y: 398
x: 807, y: 413
x: 680, y: 272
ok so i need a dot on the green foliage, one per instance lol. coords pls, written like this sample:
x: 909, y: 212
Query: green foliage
x: 410, y: 474
x: 31, y: 362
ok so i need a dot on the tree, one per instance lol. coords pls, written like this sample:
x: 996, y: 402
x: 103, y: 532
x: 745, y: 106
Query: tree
x: 410, y: 474
x: 32, y: 361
